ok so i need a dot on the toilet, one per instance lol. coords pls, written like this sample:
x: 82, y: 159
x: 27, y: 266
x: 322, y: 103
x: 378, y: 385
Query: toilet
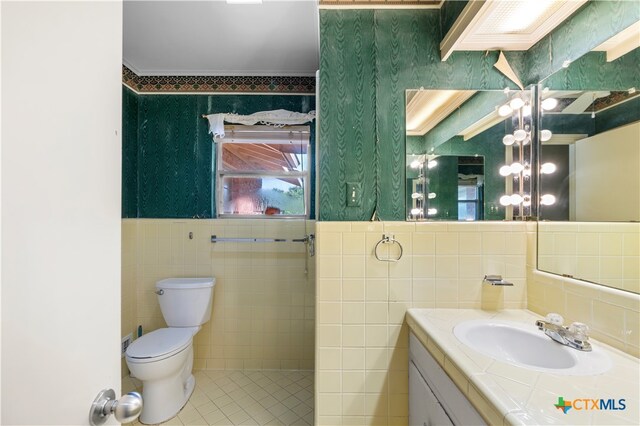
x: 163, y: 358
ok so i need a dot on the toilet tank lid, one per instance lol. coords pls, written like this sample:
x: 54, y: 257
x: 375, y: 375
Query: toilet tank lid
x: 173, y: 283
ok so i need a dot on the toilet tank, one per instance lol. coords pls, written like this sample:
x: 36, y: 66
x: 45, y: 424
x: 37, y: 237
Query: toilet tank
x: 185, y: 302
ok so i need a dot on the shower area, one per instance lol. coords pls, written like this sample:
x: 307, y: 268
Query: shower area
x: 191, y: 210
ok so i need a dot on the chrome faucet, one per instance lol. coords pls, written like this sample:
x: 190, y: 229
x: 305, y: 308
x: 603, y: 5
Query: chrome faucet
x: 495, y: 280
x: 575, y: 336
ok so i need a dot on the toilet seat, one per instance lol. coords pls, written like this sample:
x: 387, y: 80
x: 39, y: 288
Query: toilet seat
x: 159, y: 344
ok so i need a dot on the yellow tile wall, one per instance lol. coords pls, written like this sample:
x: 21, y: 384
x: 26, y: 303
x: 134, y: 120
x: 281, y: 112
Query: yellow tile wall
x: 612, y: 314
x: 607, y: 253
x: 264, y: 306
x: 361, y: 344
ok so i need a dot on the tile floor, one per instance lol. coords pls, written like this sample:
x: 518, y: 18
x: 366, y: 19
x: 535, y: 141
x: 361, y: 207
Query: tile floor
x: 245, y: 398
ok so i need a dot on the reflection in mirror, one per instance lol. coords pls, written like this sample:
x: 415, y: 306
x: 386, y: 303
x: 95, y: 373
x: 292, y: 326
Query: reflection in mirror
x: 468, y: 154
x: 592, y: 149
x: 590, y: 155
x: 446, y: 187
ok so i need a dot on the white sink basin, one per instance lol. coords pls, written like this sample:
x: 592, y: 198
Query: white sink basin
x: 526, y: 346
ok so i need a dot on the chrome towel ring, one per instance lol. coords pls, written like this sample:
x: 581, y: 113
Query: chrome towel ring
x: 386, y: 239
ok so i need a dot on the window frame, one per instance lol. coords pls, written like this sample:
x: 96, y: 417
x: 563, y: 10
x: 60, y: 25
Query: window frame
x: 477, y: 201
x: 220, y: 173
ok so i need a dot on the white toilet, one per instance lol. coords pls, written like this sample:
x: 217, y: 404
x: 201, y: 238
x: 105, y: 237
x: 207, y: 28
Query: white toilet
x: 163, y: 359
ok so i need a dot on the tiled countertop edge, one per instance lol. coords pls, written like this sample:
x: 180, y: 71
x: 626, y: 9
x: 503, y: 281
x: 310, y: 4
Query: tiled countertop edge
x: 475, y: 374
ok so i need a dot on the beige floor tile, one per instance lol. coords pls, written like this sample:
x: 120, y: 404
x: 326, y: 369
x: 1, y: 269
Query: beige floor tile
x: 229, y: 398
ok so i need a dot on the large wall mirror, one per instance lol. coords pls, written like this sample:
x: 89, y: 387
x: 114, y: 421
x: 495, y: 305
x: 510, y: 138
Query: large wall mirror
x: 468, y: 154
x: 590, y: 153
x: 469, y: 158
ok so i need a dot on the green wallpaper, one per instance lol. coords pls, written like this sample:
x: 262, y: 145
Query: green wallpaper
x: 368, y: 58
x: 478, y: 106
x: 625, y: 113
x: 443, y: 180
x: 348, y: 150
x: 592, y: 72
x: 362, y: 129
x: 174, y: 156
x: 129, y: 153
x: 449, y: 13
x: 489, y: 145
x: 590, y: 26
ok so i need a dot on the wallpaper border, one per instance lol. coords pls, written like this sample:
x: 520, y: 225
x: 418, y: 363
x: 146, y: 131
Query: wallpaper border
x: 218, y: 84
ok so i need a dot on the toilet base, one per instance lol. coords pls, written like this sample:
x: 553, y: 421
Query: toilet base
x: 158, y: 407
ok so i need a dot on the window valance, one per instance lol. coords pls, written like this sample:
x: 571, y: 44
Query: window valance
x: 278, y: 118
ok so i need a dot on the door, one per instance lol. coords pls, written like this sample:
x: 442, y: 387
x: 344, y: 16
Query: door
x: 60, y: 168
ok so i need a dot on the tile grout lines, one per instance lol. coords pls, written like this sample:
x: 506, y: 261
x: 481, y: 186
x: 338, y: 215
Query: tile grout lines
x: 227, y: 397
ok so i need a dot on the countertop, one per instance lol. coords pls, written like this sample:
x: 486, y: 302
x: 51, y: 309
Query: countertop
x: 511, y: 395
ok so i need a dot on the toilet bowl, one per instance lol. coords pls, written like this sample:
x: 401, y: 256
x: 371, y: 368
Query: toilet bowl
x: 163, y: 359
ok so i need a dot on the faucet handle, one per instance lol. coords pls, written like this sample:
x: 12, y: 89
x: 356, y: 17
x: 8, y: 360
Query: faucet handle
x: 580, y: 330
x: 555, y: 319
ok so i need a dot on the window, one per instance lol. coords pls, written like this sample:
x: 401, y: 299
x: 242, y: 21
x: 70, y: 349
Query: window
x: 263, y: 171
x: 469, y: 201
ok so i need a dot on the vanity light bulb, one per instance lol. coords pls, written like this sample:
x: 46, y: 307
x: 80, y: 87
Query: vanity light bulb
x: 505, y: 200
x: 545, y: 135
x: 505, y: 171
x: 526, y: 202
x: 526, y: 110
x: 432, y: 212
x: 504, y: 110
x: 549, y: 104
x: 415, y: 164
x: 415, y: 212
x: 431, y: 164
x: 432, y: 195
x: 547, y: 200
x: 417, y: 195
x: 516, y: 168
x: 516, y: 199
x: 508, y: 140
x: 526, y: 171
x: 516, y: 103
x: 520, y: 134
x: 547, y: 168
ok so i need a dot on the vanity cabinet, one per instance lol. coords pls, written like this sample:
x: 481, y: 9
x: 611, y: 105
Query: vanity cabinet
x: 433, y: 397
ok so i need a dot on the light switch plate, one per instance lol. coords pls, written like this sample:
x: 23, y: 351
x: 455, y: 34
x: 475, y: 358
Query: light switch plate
x: 354, y: 194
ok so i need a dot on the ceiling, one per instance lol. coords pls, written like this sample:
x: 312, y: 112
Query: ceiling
x: 505, y: 24
x: 276, y: 38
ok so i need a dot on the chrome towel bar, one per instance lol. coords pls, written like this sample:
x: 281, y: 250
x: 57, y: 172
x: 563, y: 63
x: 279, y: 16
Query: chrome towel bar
x: 215, y: 239
x: 309, y: 240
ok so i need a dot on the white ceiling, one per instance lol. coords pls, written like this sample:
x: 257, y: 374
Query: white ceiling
x: 276, y: 38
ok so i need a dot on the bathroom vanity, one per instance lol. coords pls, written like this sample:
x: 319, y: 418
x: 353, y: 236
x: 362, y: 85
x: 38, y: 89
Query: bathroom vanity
x: 453, y: 383
x: 433, y: 397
